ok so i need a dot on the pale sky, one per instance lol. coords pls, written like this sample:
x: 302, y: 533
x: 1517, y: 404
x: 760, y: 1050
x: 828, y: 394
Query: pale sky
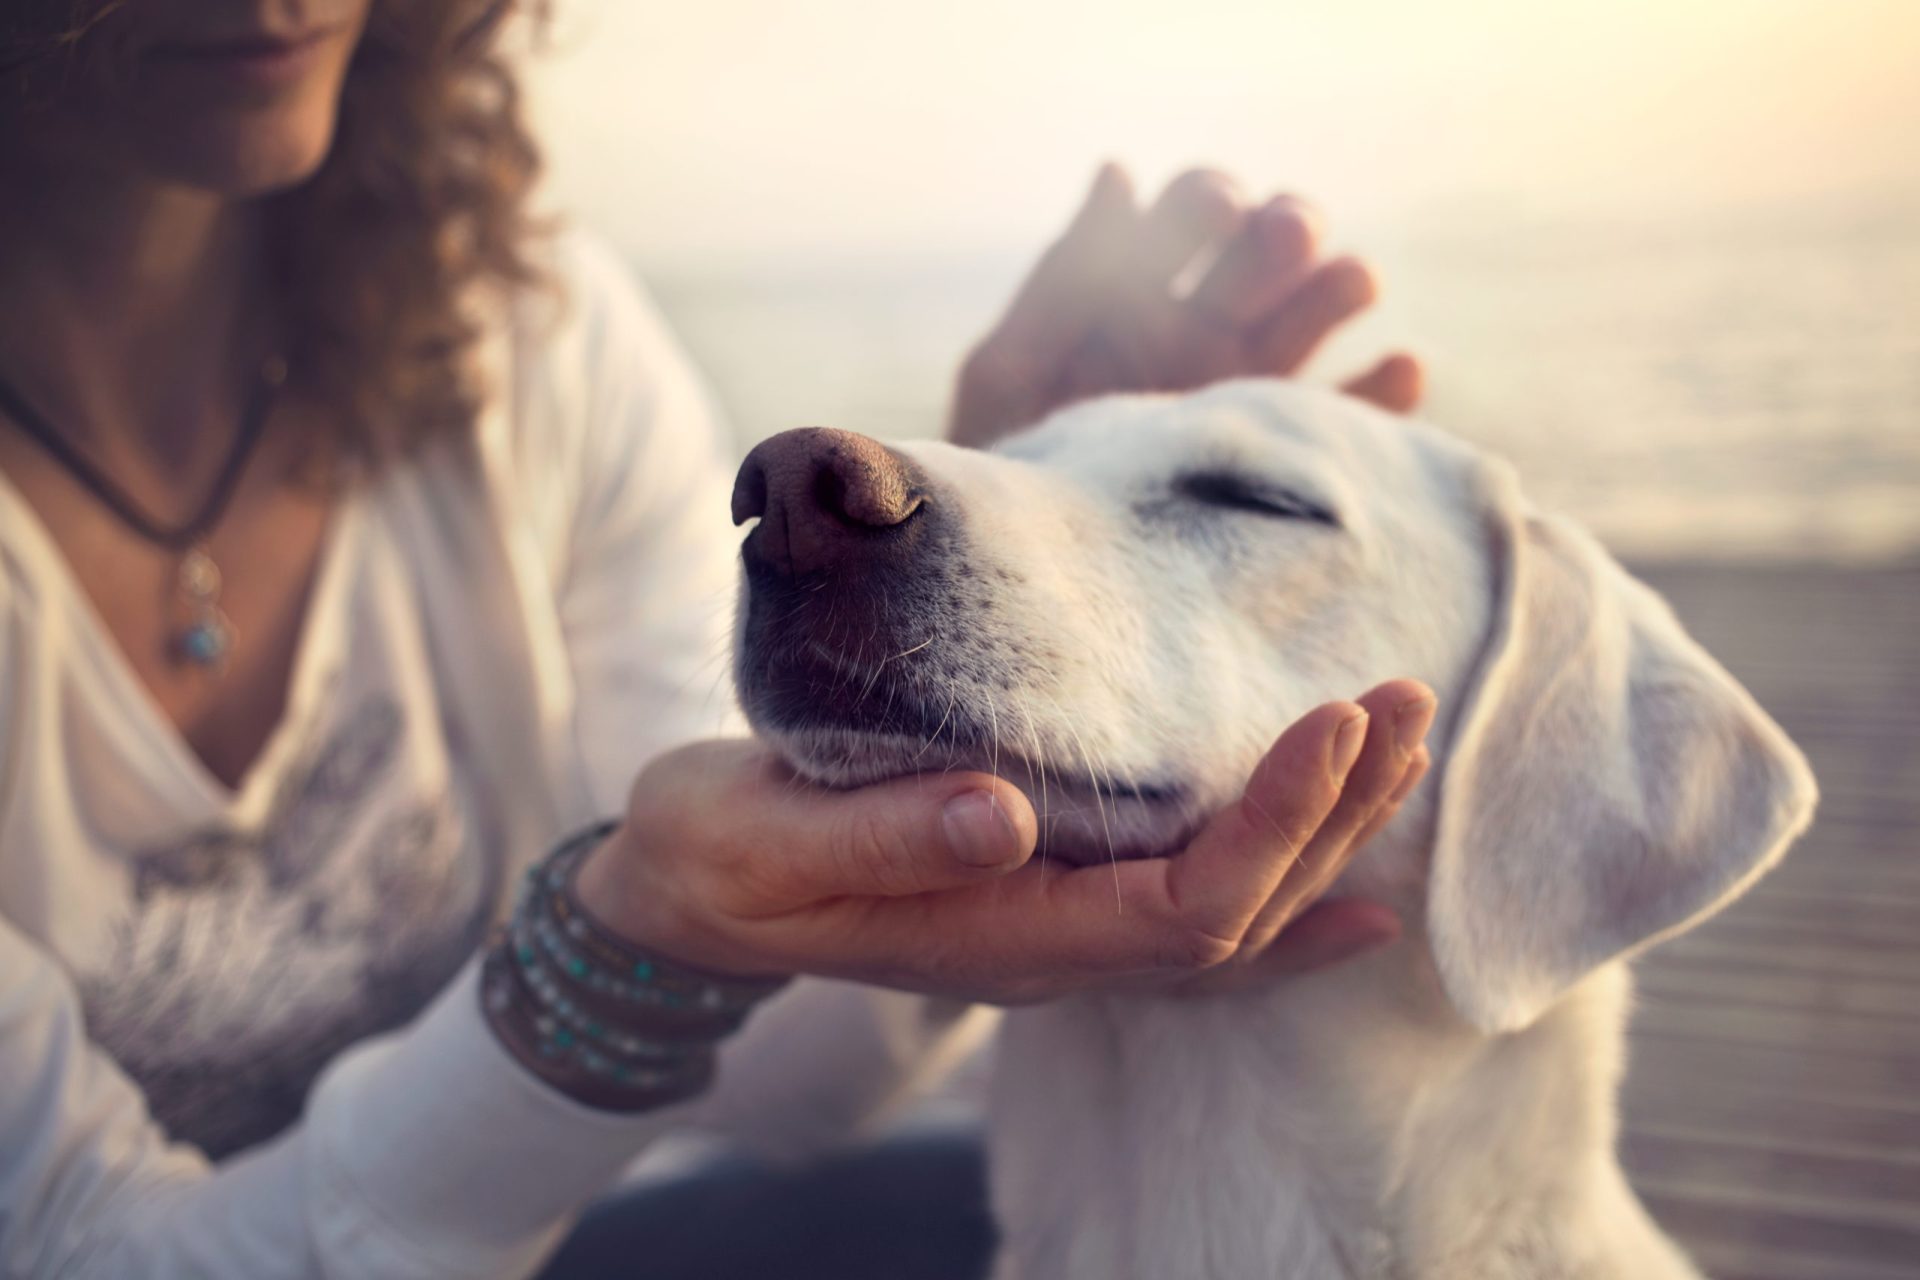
x: 725, y: 128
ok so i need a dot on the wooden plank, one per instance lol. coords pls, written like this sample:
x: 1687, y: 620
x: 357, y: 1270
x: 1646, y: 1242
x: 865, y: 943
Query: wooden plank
x: 1703, y: 983
x: 1877, y: 1185
x: 1771, y: 1115
x: 1768, y: 1224
x: 1776, y: 1027
x: 1690, y: 1104
x: 1735, y: 1261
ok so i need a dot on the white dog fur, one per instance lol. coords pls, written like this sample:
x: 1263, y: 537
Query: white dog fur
x: 1443, y: 1108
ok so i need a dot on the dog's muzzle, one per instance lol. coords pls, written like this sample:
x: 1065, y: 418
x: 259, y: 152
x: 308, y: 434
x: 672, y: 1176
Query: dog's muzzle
x: 849, y: 566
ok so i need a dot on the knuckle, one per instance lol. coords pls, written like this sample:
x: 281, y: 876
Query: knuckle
x: 655, y: 907
x: 1194, y: 947
x: 874, y: 850
x: 1319, y: 800
x: 750, y: 892
x: 734, y: 891
x: 674, y: 916
x: 734, y: 878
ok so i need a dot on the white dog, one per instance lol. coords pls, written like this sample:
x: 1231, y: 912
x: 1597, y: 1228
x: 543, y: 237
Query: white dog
x: 1118, y: 611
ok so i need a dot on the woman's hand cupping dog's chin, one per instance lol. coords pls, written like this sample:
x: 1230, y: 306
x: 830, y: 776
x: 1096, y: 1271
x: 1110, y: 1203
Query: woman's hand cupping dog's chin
x: 1113, y: 306
x: 927, y: 883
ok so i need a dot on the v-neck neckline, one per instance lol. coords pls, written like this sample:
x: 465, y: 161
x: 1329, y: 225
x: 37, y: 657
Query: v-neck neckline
x: 246, y: 800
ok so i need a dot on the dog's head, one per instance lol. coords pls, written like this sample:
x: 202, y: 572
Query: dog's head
x: 1120, y: 609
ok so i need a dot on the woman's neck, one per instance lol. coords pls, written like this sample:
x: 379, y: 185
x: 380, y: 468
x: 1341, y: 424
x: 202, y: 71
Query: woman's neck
x: 130, y: 311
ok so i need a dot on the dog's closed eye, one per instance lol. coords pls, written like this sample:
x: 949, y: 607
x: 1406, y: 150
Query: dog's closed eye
x: 1237, y: 491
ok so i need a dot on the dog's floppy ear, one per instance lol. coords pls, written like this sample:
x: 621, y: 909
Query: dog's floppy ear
x: 1607, y: 785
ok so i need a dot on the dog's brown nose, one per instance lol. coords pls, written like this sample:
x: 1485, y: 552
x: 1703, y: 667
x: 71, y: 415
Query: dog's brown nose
x: 824, y: 498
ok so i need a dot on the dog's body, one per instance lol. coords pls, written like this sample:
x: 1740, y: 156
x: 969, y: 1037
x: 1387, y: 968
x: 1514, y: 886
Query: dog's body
x: 1118, y: 611
x: 1340, y: 1125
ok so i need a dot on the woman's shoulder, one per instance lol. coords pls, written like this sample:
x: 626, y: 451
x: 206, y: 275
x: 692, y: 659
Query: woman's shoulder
x: 595, y: 404
x: 587, y: 333
x: 21, y: 578
x: 22, y: 618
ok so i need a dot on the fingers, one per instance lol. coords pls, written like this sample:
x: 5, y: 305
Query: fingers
x: 1416, y: 770
x: 1014, y: 376
x: 1182, y: 912
x: 1256, y: 271
x: 1396, y: 383
x: 1145, y: 337
x: 1333, y: 293
x: 1061, y: 296
x: 1199, y: 208
x: 1216, y: 888
x: 1099, y: 313
x: 1034, y: 931
x: 1399, y: 714
x: 1106, y: 308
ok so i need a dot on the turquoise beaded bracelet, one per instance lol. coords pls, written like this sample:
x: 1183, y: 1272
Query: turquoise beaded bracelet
x: 610, y: 1023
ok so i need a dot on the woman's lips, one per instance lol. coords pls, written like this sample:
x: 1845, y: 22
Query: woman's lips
x: 261, y: 61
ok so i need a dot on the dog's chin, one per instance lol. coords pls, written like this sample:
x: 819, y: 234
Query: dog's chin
x: 1081, y: 821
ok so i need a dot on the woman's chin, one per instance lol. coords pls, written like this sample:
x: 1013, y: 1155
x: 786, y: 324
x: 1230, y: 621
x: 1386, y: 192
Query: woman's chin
x: 243, y: 158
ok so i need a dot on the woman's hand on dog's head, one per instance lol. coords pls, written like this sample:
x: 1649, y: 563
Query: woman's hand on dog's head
x: 1113, y: 305
x: 927, y: 883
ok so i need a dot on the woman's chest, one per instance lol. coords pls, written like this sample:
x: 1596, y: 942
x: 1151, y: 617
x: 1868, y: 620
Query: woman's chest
x: 240, y: 959
x: 228, y: 942
x: 210, y: 631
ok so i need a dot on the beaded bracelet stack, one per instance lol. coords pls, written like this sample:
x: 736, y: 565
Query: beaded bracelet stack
x: 606, y: 1022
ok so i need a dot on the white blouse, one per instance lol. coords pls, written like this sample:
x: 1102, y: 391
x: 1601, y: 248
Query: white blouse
x: 501, y: 632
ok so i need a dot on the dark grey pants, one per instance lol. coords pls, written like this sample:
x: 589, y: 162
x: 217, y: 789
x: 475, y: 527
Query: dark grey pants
x: 914, y: 1209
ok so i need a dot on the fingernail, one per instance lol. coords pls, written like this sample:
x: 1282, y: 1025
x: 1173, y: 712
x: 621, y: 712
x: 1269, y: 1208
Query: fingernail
x: 1411, y: 720
x: 978, y: 830
x: 1346, y: 746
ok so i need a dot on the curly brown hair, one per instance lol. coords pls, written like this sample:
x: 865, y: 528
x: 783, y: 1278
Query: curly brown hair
x: 421, y: 199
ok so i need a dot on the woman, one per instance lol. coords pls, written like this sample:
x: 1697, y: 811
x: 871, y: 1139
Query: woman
x: 356, y: 544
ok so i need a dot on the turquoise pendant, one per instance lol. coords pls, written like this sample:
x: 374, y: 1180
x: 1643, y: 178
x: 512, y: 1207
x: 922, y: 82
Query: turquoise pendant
x: 207, y: 639
x: 205, y: 643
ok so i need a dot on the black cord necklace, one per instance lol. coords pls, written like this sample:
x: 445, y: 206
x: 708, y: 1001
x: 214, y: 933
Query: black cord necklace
x: 205, y: 636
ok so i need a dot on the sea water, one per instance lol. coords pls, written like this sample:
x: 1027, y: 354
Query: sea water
x: 1742, y: 388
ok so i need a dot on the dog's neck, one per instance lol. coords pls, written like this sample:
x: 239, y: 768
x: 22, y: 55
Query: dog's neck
x: 1345, y: 1124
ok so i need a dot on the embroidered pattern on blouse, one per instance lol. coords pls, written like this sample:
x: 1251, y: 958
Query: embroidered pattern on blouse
x: 249, y: 960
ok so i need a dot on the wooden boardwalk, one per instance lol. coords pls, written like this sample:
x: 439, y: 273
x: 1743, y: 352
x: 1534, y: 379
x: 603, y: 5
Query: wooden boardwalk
x: 1773, y: 1099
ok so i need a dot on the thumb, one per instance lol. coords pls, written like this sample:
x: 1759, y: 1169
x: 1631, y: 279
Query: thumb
x: 911, y: 835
